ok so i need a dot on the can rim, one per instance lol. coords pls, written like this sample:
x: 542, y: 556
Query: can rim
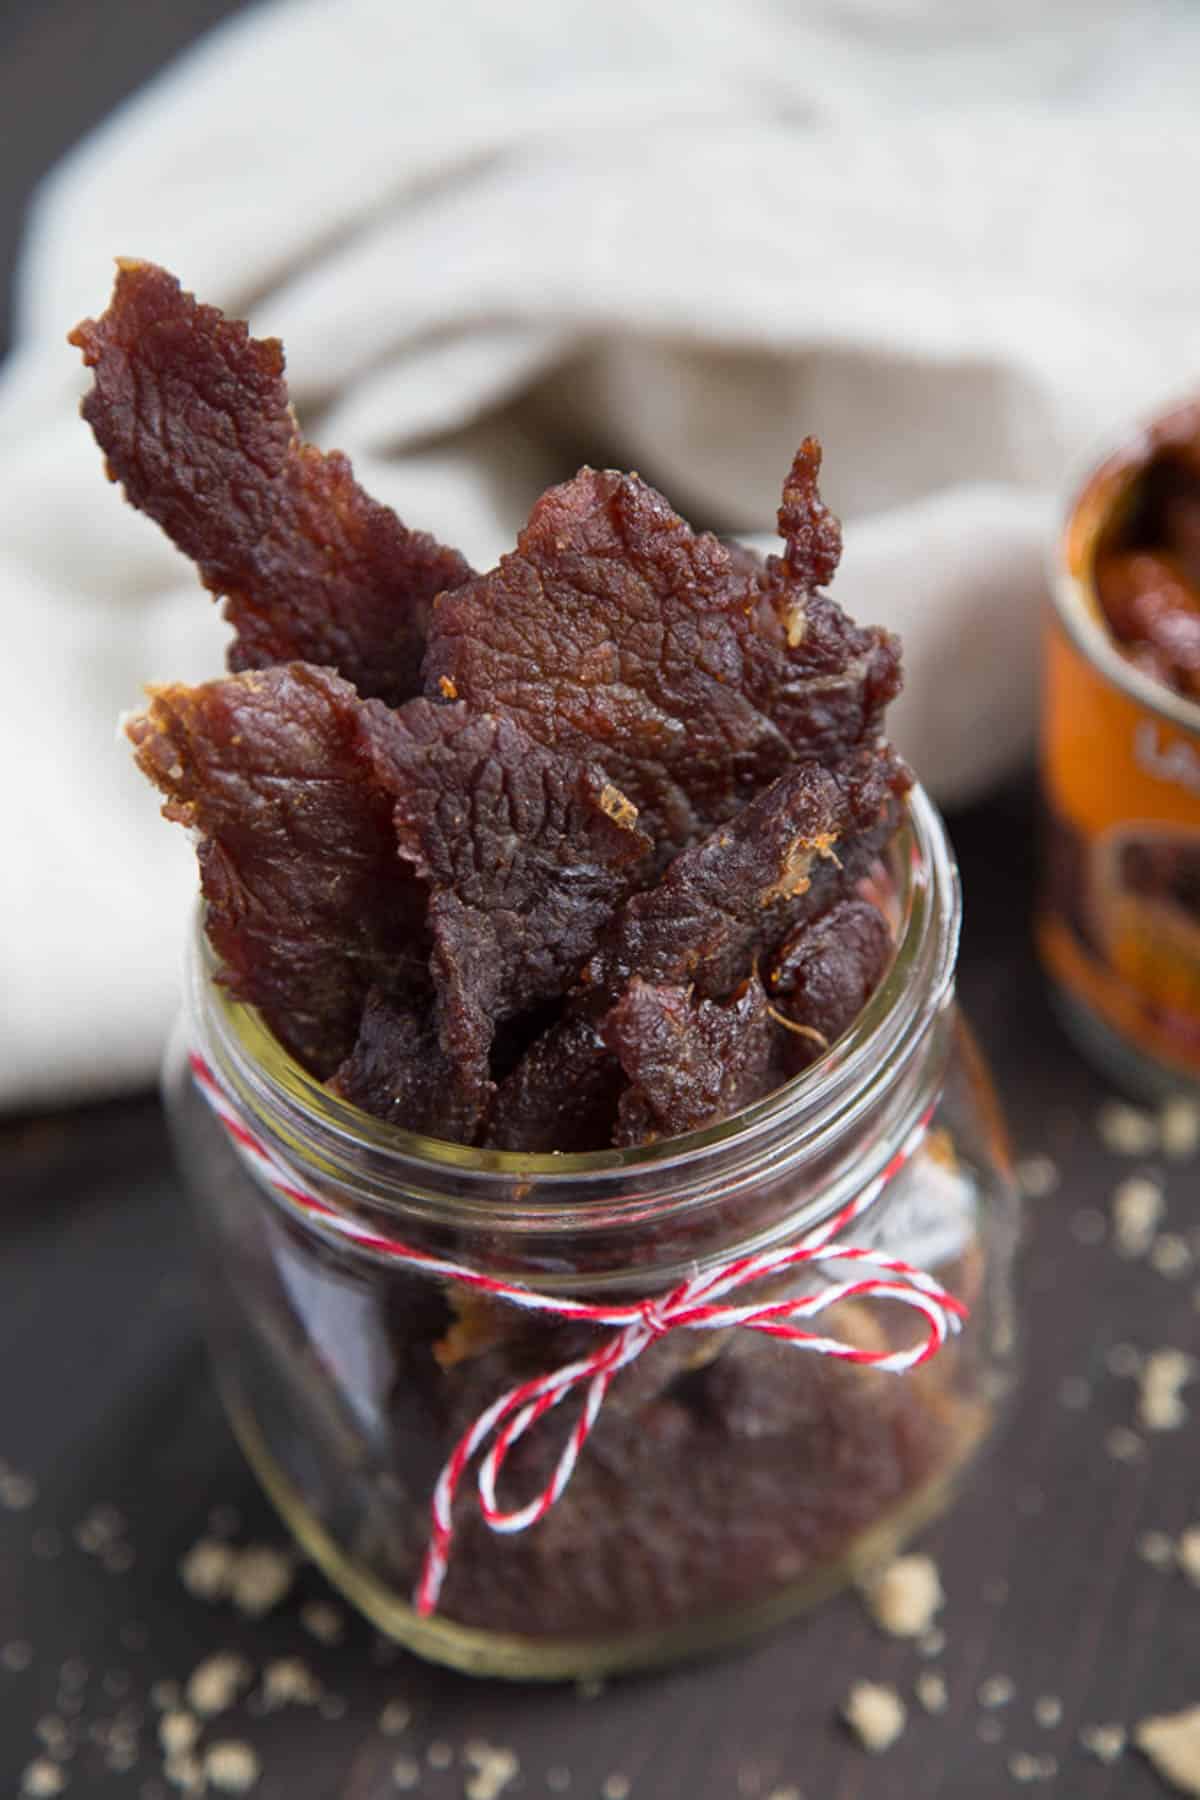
x: 1103, y: 479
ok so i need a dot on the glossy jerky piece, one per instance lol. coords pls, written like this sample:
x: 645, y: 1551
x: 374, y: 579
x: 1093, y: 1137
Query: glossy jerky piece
x: 825, y: 973
x: 689, y: 1062
x: 193, y: 418
x: 524, y: 854
x: 399, y: 1072
x: 787, y: 856
x: 307, y: 903
x: 693, y: 675
x: 562, y: 1094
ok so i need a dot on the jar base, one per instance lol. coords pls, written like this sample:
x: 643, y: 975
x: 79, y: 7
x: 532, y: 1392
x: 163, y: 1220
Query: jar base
x: 511, y: 1657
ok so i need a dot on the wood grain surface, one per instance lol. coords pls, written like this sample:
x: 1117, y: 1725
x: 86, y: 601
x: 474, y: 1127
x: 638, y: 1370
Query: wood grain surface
x: 106, y: 1402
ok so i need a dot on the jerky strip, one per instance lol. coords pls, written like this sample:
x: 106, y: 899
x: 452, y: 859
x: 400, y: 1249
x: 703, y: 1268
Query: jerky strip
x: 694, y: 676
x: 689, y: 1062
x: 308, y: 904
x: 193, y: 418
x: 825, y: 973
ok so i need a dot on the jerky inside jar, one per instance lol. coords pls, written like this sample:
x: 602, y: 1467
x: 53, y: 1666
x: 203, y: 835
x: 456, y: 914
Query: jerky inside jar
x: 574, y: 924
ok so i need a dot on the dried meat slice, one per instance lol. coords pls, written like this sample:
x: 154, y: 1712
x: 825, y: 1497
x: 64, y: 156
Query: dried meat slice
x: 308, y: 904
x: 823, y: 975
x: 804, y: 842
x: 399, y: 1072
x: 692, y: 674
x: 192, y: 415
x: 689, y: 1062
x: 785, y: 859
x: 525, y: 854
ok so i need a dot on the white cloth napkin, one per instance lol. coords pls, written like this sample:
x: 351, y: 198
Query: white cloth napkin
x: 954, y: 240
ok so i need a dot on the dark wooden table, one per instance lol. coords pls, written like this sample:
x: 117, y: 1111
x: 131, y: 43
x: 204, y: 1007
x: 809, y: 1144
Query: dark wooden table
x: 106, y: 1402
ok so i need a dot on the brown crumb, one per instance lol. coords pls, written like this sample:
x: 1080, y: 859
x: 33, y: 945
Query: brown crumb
x: 1104, y: 1742
x: 1172, y: 1743
x: 448, y: 687
x: 1137, y: 1208
x: 1165, y: 1373
x: 904, y: 1597
x: 875, y: 1714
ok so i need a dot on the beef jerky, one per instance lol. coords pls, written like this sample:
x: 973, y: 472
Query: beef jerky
x: 524, y: 854
x: 694, y: 676
x: 399, y: 1072
x: 826, y: 971
x: 787, y: 857
x: 562, y: 1094
x: 689, y: 1062
x: 193, y: 418
x: 308, y: 904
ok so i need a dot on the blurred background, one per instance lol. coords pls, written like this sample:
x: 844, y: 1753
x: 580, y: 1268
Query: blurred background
x: 956, y: 242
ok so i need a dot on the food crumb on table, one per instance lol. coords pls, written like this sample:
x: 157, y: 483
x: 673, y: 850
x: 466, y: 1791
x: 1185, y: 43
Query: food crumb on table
x: 231, y: 1766
x: 1137, y: 1210
x: 322, y: 1621
x: 1048, y: 1711
x: 178, y: 1732
x: 1037, y: 1176
x: 1157, y: 1549
x: 1123, y: 1445
x: 1170, y: 1255
x: 406, y: 1773
x: 395, y: 1717
x: 1188, y: 1552
x: 930, y: 1689
x: 1127, y: 1130
x: 1104, y: 1742
x: 288, y: 1681
x: 1179, y: 1127
x: 492, y: 1769
x: 997, y: 1690
x: 1165, y: 1374
x: 43, y: 1777
x: 1172, y: 1743
x: 439, y: 1754
x: 875, y: 1714
x: 215, y: 1683
x: 1024, y: 1765
x: 206, y: 1570
x: 903, y: 1598
x: 616, y: 1787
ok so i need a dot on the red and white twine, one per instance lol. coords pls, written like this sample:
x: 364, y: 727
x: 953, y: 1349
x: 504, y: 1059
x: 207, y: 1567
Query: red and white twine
x: 697, y: 1304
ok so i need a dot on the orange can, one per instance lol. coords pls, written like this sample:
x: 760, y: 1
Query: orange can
x: 1118, y: 923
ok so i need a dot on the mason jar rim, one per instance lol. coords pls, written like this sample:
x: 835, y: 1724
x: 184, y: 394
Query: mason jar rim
x: 1101, y: 481
x: 408, y: 1175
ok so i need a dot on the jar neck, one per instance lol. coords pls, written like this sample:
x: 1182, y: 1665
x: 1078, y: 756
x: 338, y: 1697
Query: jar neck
x: 639, y: 1216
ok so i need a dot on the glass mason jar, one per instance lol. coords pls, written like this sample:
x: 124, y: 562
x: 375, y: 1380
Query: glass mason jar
x: 730, y: 1478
